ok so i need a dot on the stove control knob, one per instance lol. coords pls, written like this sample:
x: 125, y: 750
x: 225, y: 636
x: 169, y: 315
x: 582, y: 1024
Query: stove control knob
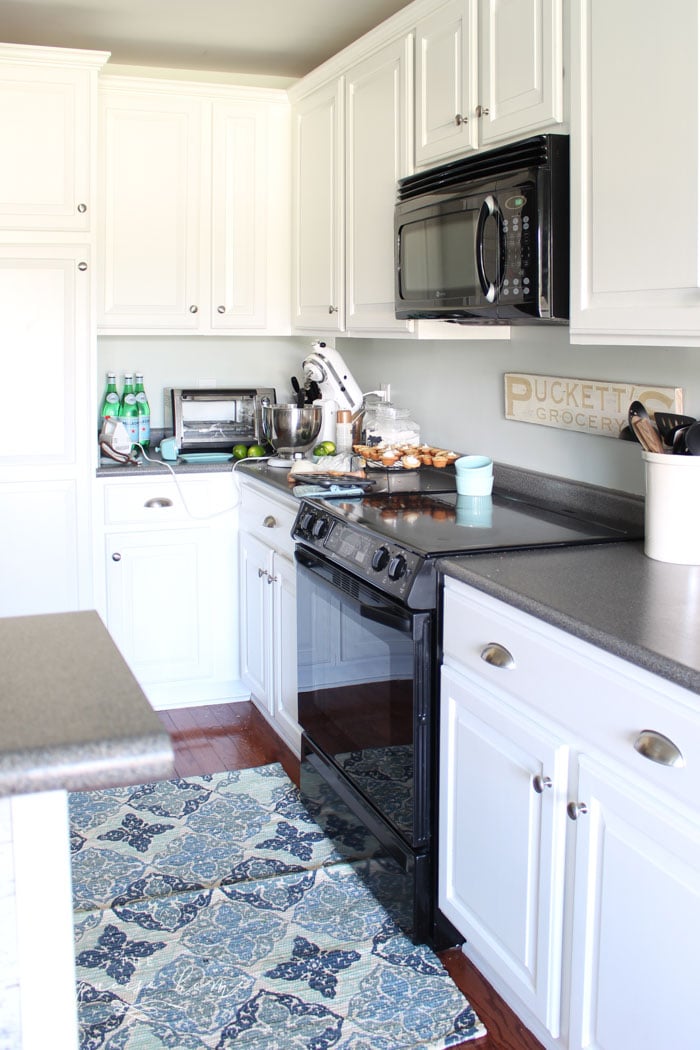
x: 319, y: 528
x: 306, y: 521
x: 397, y: 567
x: 380, y: 559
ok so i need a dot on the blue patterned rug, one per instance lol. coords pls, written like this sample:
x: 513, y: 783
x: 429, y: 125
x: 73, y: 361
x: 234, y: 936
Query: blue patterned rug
x: 212, y: 912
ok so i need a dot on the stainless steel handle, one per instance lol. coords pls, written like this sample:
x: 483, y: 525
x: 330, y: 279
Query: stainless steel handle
x: 576, y: 809
x: 158, y: 501
x: 459, y: 119
x: 332, y: 309
x: 116, y: 556
x: 262, y: 572
x: 482, y: 111
x: 82, y: 208
x: 194, y: 309
x: 271, y: 579
x: 221, y: 309
x: 658, y: 748
x: 270, y: 522
x: 539, y: 783
x: 82, y: 266
x: 498, y: 656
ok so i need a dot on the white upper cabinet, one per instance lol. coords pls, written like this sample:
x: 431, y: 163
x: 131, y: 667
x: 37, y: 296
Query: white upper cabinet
x: 487, y: 71
x: 636, y: 166
x: 194, y: 224
x: 46, y: 118
x: 318, y: 268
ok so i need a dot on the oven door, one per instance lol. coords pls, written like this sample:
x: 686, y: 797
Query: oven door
x: 366, y: 682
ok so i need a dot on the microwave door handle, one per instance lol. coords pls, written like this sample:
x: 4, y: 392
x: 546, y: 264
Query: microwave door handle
x: 488, y: 208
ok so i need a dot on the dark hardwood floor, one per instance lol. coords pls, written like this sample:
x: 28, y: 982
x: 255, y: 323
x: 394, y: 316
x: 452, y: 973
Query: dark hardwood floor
x: 236, y: 736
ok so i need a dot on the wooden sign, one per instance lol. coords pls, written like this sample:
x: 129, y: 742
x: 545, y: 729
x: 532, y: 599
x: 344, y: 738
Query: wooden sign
x: 591, y: 406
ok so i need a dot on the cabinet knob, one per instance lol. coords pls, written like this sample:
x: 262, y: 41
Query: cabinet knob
x: 262, y: 572
x: 269, y: 521
x: 82, y: 208
x: 576, y: 809
x: 271, y: 579
x: 539, y: 783
x: 82, y: 266
x: 498, y: 656
x: 194, y: 309
x: 116, y: 556
x: 459, y: 119
x: 332, y: 309
x: 658, y: 748
x: 221, y: 309
x: 158, y: 501
x: 482, y: 111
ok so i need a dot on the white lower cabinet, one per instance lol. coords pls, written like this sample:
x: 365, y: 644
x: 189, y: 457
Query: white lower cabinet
x: 268, y: 640
x: 170, y: 585
x: 569, y: 861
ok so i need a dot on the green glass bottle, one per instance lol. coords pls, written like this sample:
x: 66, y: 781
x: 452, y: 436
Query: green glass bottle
x: 110, y: 399
x: 144, y: 412
x: 128, y: 409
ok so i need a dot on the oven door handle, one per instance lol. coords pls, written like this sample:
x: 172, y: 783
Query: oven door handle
x: 387, y: 617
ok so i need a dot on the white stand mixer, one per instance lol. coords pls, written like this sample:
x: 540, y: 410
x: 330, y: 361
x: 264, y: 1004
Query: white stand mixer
x: 325, y: 367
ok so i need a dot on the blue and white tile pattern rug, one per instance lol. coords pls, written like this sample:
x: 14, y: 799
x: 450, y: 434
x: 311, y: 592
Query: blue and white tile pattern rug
x: 212, y: 912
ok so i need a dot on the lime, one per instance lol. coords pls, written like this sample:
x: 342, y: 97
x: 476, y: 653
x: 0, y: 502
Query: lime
x: 329, y: 447
x: 320, y: 450
x: 240, y: 451
x: 256, y: 450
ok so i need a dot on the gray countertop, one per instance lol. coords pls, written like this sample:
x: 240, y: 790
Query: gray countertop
x: 73, y: 716
x: 644, y: 611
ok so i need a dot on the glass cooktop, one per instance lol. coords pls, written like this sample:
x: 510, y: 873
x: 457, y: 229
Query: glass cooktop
x: 435, y: 524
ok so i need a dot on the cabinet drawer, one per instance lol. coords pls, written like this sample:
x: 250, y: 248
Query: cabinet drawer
x: 268, y: 518
x: 604, y: 702
x: 161, y: 502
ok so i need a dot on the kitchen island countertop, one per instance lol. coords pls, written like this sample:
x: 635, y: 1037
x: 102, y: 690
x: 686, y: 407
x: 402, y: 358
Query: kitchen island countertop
x: 73, y: 715
x: 612, y: 595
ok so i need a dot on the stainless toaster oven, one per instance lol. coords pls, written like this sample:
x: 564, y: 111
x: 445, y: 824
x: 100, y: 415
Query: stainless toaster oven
x: 211, y: 420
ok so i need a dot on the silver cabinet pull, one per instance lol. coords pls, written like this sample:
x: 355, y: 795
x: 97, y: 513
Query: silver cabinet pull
x: 459, y: 120
x: 658, y: 748
x: 82, y: 266
x: 498, y: 656
x: 332, y: 309
x: 271, y: 579
x: 116, y: 556
x: 269, y: 522
x: 539, y: 783
x: 221, y: 309
x: 482, y: 111
x: 576, y: 809
x: 194, y: 309
x: 262, y: 572
x: 158, y: 501
x: 82, y: 208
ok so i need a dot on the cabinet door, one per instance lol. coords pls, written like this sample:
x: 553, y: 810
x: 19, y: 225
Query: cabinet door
x: 377, y: 112
x: 45, y: 130
x: 160, y: 610
x: 503, y: 782
x: 45, y: 557
x: 446, y: 84
x: 257, y: 626
x: 635, y: 277
x: 636, y: 945
x: 319, y: 243
x: 150, y: 211
x: 521, y: 73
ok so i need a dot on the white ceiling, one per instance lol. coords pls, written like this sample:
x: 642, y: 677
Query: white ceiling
x: 284, y: 38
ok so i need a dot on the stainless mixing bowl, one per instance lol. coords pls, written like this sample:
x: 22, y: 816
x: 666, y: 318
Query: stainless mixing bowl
x: 291, y: 429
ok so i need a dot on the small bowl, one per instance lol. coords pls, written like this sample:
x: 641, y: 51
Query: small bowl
x: 474, y: 465
x: 474, y: 483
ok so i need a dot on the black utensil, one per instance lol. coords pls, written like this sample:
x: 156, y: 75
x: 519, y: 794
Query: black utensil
x: 313, y: 393
x: 298, y: 391
x: 667, y: 423
x: 691, y: 439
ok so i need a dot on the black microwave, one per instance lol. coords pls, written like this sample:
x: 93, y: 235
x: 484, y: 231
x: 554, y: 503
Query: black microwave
x: 485, y: 239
